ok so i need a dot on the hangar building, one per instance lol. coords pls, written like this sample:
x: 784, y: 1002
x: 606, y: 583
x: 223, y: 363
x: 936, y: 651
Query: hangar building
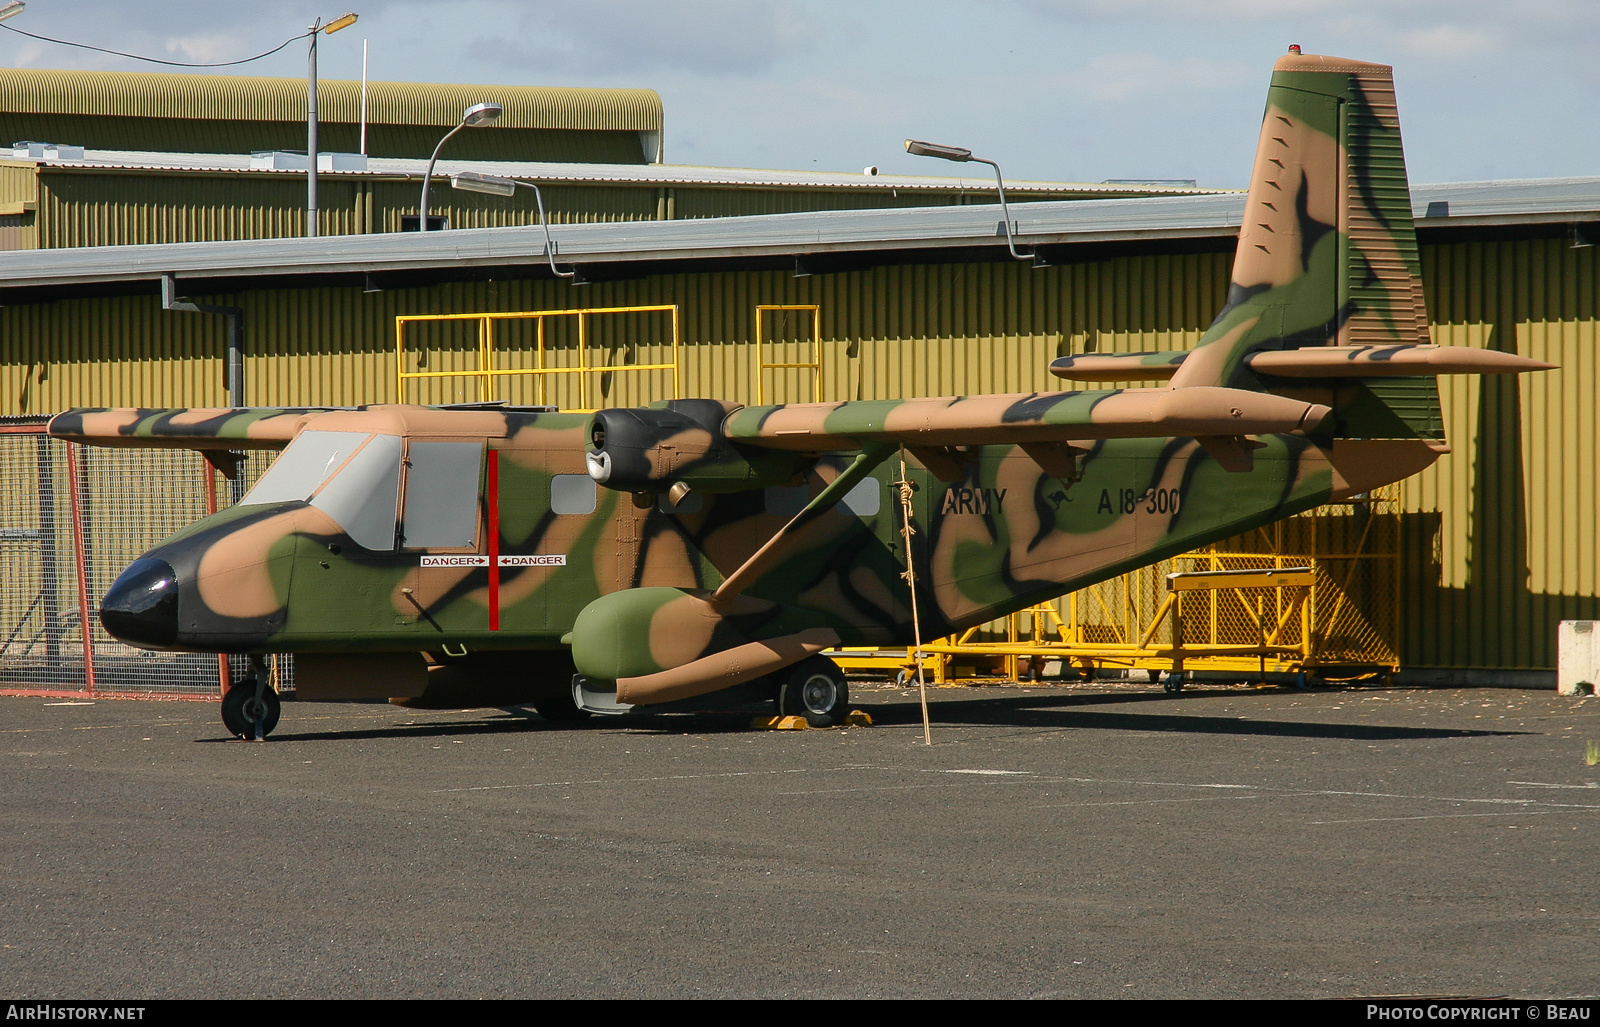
x: 1492, y: 546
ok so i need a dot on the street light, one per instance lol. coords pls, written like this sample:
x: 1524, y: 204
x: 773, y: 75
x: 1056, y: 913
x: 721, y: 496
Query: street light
x: 317, y: 28
x: 14, y: 7
x: 918, y: 148
x: 477, y: 114
x: 493, y: 185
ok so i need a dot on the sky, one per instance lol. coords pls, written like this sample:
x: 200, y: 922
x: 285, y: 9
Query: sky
x: 1056, y: 90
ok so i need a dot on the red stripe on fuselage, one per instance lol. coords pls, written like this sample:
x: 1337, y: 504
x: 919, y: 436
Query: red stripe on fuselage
x: 493, y: 525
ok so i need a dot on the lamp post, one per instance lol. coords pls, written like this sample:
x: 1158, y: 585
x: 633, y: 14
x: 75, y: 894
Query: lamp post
x: 477, y: 114
x: 472, y: 182
x: 918, y: 148
x: 14, y: 7
x: 316, y: 29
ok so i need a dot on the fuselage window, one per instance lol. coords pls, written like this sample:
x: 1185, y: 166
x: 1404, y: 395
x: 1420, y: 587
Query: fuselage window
x: 441, y: 508
x: 573, y: 494
x: 309, y: 461
x: 864, y: 500
x: 786, y: 500
x: 364, y: 496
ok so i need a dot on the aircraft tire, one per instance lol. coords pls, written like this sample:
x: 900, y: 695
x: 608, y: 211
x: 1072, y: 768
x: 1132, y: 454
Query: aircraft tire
x: 815, y: 688
x: 240, y: 710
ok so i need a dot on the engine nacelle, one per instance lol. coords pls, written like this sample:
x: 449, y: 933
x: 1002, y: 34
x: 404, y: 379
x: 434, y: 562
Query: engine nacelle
x: 650, y: 449
x: 659, y: 644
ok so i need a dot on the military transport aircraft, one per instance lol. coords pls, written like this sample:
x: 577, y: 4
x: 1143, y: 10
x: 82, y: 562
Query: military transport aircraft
x: 632, y: 557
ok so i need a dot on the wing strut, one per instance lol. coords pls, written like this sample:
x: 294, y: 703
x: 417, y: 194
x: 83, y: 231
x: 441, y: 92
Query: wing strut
x: 871, y: 456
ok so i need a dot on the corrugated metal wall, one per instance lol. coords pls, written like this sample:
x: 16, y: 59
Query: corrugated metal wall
x: 138, y: 94
x: 1498, y: 537
x: 238, y: 114
x: 79, y: 207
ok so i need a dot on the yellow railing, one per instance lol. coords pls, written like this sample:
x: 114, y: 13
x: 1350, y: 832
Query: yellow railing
x: 486, y: 372
x: 762, y: 367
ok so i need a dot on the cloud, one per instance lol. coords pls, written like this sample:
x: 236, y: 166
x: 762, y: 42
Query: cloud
x: 1130, y: 75
x: 208, y: 49
x: 1195, y: 10
x: 1450, y: 41
x: 703, y: 37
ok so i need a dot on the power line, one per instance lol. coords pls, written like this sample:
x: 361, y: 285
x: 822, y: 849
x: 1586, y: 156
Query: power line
x: 156, y: 60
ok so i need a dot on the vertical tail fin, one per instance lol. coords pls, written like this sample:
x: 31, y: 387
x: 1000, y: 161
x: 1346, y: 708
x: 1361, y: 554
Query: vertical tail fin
x: 1327, y: 253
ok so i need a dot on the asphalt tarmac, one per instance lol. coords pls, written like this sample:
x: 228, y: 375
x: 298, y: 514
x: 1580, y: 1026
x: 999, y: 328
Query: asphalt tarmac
x: 1073, y: 841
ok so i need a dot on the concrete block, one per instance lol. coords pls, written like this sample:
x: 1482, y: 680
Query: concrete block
x: 1578, y: 657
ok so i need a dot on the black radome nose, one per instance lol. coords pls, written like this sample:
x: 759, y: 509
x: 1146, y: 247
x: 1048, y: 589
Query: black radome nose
x: 141, y: 607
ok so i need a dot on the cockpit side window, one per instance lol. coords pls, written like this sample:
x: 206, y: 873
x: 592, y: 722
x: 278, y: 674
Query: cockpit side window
x: 364, y: 496
x: 441, y: 510
x: 309, y: 461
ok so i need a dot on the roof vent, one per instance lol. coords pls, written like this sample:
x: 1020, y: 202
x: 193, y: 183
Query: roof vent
x: 278, y: 160
x: 27, y: 149
x: 295, y: 160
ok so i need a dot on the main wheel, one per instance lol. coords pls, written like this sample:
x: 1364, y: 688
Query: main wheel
x: 815, y: 689
x: 241, y: 710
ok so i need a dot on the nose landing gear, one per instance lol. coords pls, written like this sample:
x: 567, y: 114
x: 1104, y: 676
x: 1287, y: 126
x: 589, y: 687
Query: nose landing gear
x: 251, y: 707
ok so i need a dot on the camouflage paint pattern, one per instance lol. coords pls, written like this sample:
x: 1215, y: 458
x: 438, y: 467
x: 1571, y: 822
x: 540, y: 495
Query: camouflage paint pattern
x: 218, y: 428
x: 1155, y: 366
x: 1327, y: 253
x: 715, y: 554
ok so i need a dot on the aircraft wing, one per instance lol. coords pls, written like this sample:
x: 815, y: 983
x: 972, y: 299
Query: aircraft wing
x: 1020, y: 418
x: 222, y: 428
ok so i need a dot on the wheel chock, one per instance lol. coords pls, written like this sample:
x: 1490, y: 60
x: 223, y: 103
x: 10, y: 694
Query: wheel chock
x: 779, y: 724
x: 855, y: 718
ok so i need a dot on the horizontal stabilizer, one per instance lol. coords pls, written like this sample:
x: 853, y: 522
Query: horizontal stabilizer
x: 1388, y: 361
x: 1118, y: 367
x: 1021, y: 417
x: 183, y: 428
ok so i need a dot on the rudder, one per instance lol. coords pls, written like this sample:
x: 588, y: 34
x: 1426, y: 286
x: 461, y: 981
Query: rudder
x: 1327, y: 252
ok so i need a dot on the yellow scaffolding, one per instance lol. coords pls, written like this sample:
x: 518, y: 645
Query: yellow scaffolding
x: 486, y: 372
x: 1314, y: 593
x: 762, y: 367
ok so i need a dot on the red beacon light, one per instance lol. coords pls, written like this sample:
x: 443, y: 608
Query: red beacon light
x: 1294, y: 47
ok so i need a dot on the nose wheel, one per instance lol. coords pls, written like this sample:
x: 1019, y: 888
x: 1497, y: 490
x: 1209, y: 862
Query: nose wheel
x: 251, y: 707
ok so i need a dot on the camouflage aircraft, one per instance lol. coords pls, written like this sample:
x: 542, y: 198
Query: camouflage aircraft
x: 633, y: 557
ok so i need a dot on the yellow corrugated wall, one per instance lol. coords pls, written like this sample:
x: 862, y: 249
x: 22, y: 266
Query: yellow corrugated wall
x: 1498, y: 537
x: 135, y: 94
x: 121, y: 207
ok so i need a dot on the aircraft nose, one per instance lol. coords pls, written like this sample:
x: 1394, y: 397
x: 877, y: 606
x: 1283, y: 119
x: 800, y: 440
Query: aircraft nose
x: 141, y: 607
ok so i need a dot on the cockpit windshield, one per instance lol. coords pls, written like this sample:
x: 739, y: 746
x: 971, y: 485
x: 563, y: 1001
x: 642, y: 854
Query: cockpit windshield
x: 354, y: 477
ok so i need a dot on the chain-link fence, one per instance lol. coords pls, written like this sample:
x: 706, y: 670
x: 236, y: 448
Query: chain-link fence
x: 71, y: 518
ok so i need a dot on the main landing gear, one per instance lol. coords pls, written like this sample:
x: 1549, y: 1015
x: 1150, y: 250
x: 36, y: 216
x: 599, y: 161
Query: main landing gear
x: 251, y: 707
x: 814, y: 688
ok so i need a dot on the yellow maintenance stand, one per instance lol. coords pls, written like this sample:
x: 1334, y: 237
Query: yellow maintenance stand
x: 1316, y: 594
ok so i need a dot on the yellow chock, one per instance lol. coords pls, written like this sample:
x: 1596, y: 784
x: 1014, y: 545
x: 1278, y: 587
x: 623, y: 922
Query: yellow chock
x: 779, y: 724
x: 855, y: 718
